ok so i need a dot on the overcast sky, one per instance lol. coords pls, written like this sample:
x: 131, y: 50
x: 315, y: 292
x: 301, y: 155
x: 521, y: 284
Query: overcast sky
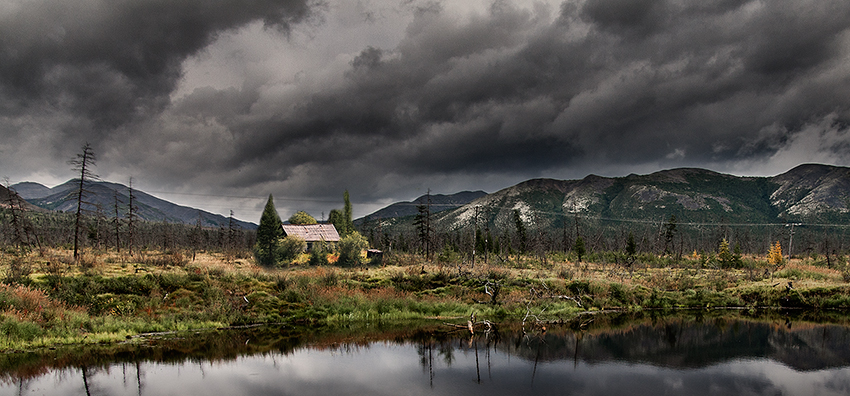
x: 218, y: 103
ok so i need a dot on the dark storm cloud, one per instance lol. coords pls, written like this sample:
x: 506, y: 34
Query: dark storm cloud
x: 624, y: 81
x: 467, y: 100
x: 626, y: 17
x: 112, y: 61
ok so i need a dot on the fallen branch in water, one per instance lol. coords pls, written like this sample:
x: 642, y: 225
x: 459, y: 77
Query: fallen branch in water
x: 539, y: 295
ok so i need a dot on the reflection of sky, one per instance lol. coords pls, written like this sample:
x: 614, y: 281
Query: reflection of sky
x: 391, y: 369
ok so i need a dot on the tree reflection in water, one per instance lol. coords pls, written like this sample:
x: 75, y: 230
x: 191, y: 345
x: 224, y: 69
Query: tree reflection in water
x: 624, y: 354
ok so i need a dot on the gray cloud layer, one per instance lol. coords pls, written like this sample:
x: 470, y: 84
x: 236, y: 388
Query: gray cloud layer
x: 388, y: 98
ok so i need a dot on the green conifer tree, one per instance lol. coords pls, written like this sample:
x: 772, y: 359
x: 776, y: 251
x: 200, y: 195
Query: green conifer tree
x: 341, y: 219
x: 347, y: 212
x: 522, y: 235
x: 268, y: 235
x: 631, y: 250
x: 578, y: 248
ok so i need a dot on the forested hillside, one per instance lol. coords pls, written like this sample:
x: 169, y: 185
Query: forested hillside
x: 678, y: 210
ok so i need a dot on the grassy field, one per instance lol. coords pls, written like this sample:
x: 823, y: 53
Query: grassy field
x: 47, y: 299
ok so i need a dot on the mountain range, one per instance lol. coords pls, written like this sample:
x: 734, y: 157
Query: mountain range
x: 106, y: 196
x: 807, y: 193
x: 437, y: 203
x: 9, y: 198
x: 811, y: 193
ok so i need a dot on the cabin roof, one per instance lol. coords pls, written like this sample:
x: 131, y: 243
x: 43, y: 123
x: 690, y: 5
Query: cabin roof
x: 312, y: 232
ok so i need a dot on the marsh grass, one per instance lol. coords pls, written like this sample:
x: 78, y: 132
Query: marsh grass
x: 112, y: 296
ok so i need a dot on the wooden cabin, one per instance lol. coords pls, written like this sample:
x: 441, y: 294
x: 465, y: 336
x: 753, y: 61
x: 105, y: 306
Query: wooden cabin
x: 312, y: 233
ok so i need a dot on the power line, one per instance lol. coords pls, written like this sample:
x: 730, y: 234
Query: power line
x: 243, y: 196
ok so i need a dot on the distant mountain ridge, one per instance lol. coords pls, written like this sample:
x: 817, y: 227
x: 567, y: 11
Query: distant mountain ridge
x: 9, y: 197
x: 105, y: 194
x: 809, y: 192
x: 439, y: 203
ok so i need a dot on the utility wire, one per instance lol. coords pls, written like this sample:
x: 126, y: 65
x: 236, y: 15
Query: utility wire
x: 695, y: 224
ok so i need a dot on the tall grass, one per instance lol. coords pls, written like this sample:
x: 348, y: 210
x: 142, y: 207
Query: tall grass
x: 119, y: 296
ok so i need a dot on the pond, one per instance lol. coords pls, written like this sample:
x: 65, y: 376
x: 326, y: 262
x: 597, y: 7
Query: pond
x: 636, y: 354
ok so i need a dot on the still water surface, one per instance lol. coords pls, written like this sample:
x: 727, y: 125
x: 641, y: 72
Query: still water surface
x: 647, y: 356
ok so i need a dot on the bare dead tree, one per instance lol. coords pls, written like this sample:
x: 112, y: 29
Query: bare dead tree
x: 131, y: 217
x: 196, y: 237
x: 21, y: 227
x: 539, y: 243
x: 231, y: 237
x: 100, y: 218
x: 83, y: 163
x: 117, y: 222
x: 476, y: 234
x: 18, y: 237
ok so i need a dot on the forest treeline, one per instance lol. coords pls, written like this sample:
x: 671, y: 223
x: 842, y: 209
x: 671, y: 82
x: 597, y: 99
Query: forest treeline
x: 669, y: 238
x: 56, y: 230
x: 527, y: 233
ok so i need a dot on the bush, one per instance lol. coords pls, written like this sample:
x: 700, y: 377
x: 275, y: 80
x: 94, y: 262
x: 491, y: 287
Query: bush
x: 301, y: 217
x: 318, y: 254
x: 174, y: 259
x: 19, y: 268
x: 263, y: 256
x: 350, y: 247
x: 289, y: 249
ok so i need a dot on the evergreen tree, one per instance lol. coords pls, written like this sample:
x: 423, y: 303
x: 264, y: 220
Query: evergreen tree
x: 727, y: 258
x: 422, y: 222
x: 631, y: 250
x: 336, y: 218
x: 522, y: 235
x: 341, y: 219
x: 669, y: 234
x: 347, y: 212
x: 268, y: 235
x: 578, y: 247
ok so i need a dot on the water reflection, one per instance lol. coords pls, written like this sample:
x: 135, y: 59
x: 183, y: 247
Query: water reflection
x: 635, y: 356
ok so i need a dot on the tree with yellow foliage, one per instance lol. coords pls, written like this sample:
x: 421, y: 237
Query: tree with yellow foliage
x: 774, y: 255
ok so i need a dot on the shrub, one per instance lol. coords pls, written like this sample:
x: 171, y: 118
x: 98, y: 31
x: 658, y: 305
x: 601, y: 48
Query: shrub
x: 289, y: 249
x: 301, y: 217
x: 328, y: 278
x: 174, y: 259
x: 726, y: 257
x: 318, y: 254
x: 448, y: 255
x: 14, y: 329
x: 350, y: 247
x: 263, y: 256
x: 19, y: 268
x: 566, y: 273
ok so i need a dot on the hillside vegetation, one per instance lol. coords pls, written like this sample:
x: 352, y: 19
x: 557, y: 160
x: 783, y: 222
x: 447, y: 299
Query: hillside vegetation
x: 700, y: 208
